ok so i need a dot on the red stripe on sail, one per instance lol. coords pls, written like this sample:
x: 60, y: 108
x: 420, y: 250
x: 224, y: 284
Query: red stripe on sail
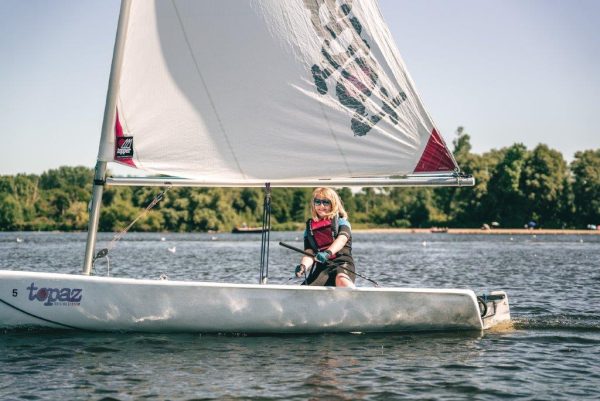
x: 436, y: 156
x: 119, y: 134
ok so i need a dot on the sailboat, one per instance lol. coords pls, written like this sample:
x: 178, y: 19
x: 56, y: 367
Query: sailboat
x: 249, y: 93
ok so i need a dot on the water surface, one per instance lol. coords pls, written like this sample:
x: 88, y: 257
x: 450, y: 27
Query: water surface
x: 553, y: 283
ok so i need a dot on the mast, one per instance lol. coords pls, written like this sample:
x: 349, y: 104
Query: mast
x: 108, y: 124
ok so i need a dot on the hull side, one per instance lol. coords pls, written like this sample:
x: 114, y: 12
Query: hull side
x: 114, y: 304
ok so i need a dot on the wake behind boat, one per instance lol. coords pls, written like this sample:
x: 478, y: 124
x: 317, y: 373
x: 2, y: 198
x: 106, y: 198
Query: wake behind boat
x: 205, y: 96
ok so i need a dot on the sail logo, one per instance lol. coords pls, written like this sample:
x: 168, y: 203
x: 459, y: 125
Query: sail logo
x: 124, y: 147
x: 347, y: 65
x: 55, y: 296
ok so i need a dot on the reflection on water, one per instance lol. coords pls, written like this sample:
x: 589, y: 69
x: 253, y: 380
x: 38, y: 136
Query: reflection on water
x: 548, y: 353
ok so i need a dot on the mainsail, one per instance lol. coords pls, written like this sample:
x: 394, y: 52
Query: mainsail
x: 239, y: 91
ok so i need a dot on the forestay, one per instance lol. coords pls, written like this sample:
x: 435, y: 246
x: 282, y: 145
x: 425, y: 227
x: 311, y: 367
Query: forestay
x: 240, y: 91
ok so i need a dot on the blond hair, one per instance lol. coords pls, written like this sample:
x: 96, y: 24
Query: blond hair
x: 337, y: 207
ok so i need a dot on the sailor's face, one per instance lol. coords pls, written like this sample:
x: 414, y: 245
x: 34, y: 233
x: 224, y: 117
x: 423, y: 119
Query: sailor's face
x: 322, y: 206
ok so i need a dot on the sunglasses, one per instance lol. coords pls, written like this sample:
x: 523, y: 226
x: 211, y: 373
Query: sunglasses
x: 324, y: 202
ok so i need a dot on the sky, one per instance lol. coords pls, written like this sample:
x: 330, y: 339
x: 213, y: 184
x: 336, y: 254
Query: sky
x: 509, y: 71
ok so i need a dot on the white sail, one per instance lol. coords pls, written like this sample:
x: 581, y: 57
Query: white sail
x: 266, y: 90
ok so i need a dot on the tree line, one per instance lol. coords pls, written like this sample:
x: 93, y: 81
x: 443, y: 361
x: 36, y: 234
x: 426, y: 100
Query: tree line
x: 514, y: 185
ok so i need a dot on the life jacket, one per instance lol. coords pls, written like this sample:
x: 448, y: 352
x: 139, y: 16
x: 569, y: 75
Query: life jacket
x: 322, y: 233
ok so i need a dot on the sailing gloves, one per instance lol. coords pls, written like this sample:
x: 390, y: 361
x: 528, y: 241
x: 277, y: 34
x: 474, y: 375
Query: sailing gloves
x: 323, y: 256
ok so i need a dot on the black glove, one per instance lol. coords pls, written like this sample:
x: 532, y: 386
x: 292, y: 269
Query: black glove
x: 300, y: 270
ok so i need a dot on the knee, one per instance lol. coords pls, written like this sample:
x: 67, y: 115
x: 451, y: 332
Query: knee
x: 343, y: 280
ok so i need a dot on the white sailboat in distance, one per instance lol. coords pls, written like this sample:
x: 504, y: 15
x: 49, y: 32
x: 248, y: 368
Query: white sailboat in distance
x: 242, y: 94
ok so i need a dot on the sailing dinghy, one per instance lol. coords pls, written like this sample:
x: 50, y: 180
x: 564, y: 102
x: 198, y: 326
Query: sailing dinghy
x: 251, y: 93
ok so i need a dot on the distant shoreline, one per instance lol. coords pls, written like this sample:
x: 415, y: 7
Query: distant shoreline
x: 471, y: 231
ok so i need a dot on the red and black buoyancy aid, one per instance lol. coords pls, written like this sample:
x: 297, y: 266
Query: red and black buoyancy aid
x: 322, y: 233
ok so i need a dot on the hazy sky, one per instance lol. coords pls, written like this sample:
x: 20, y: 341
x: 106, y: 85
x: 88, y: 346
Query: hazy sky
x: 508, y: 71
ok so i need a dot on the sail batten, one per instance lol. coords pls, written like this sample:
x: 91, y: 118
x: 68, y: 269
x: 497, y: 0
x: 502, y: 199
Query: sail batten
x: 247, y: 91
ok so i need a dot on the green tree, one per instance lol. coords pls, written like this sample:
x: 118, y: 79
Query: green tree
x: 586, y: 187
x: 65, y: 177
x: 11, y: 213
x: 282, y: 200
x: 506, y: 202
x: 544, y: 181
x: 300, y: 205
x: 153, y: 221
x: 205, y: 219
x: 117, y: 209
x: 410, y: 207
x: 75, y: 217
x: 347, y: 199
x: 117, y: 215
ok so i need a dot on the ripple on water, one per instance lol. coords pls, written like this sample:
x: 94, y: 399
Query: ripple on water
x: 95, y: 349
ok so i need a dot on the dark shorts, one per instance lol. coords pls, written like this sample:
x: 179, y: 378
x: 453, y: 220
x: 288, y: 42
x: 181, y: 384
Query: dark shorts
x: 325, y: 274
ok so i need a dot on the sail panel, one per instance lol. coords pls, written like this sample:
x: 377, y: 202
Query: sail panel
x: 247, y: 90
x: 436, y: 156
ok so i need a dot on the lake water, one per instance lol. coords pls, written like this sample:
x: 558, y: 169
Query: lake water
x: 551, y: 353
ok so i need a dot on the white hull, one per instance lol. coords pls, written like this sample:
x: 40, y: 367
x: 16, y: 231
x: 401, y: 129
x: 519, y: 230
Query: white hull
x: 115, y: 304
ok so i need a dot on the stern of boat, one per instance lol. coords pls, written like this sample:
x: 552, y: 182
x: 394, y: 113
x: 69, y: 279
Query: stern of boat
x: 494, y: 309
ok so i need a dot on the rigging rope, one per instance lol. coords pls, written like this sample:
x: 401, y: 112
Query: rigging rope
x: 103, y: 253
x: 266, y: 231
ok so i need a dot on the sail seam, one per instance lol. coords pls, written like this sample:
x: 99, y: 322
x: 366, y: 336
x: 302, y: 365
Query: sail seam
x: 337, y: 144
x: 212, y: 104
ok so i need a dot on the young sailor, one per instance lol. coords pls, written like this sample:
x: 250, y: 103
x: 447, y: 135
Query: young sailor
x: 327, y: 236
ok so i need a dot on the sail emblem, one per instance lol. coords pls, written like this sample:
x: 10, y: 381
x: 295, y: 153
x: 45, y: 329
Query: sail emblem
x: 124, y: 147
x: 348, y: 65
x: 123, y: 144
